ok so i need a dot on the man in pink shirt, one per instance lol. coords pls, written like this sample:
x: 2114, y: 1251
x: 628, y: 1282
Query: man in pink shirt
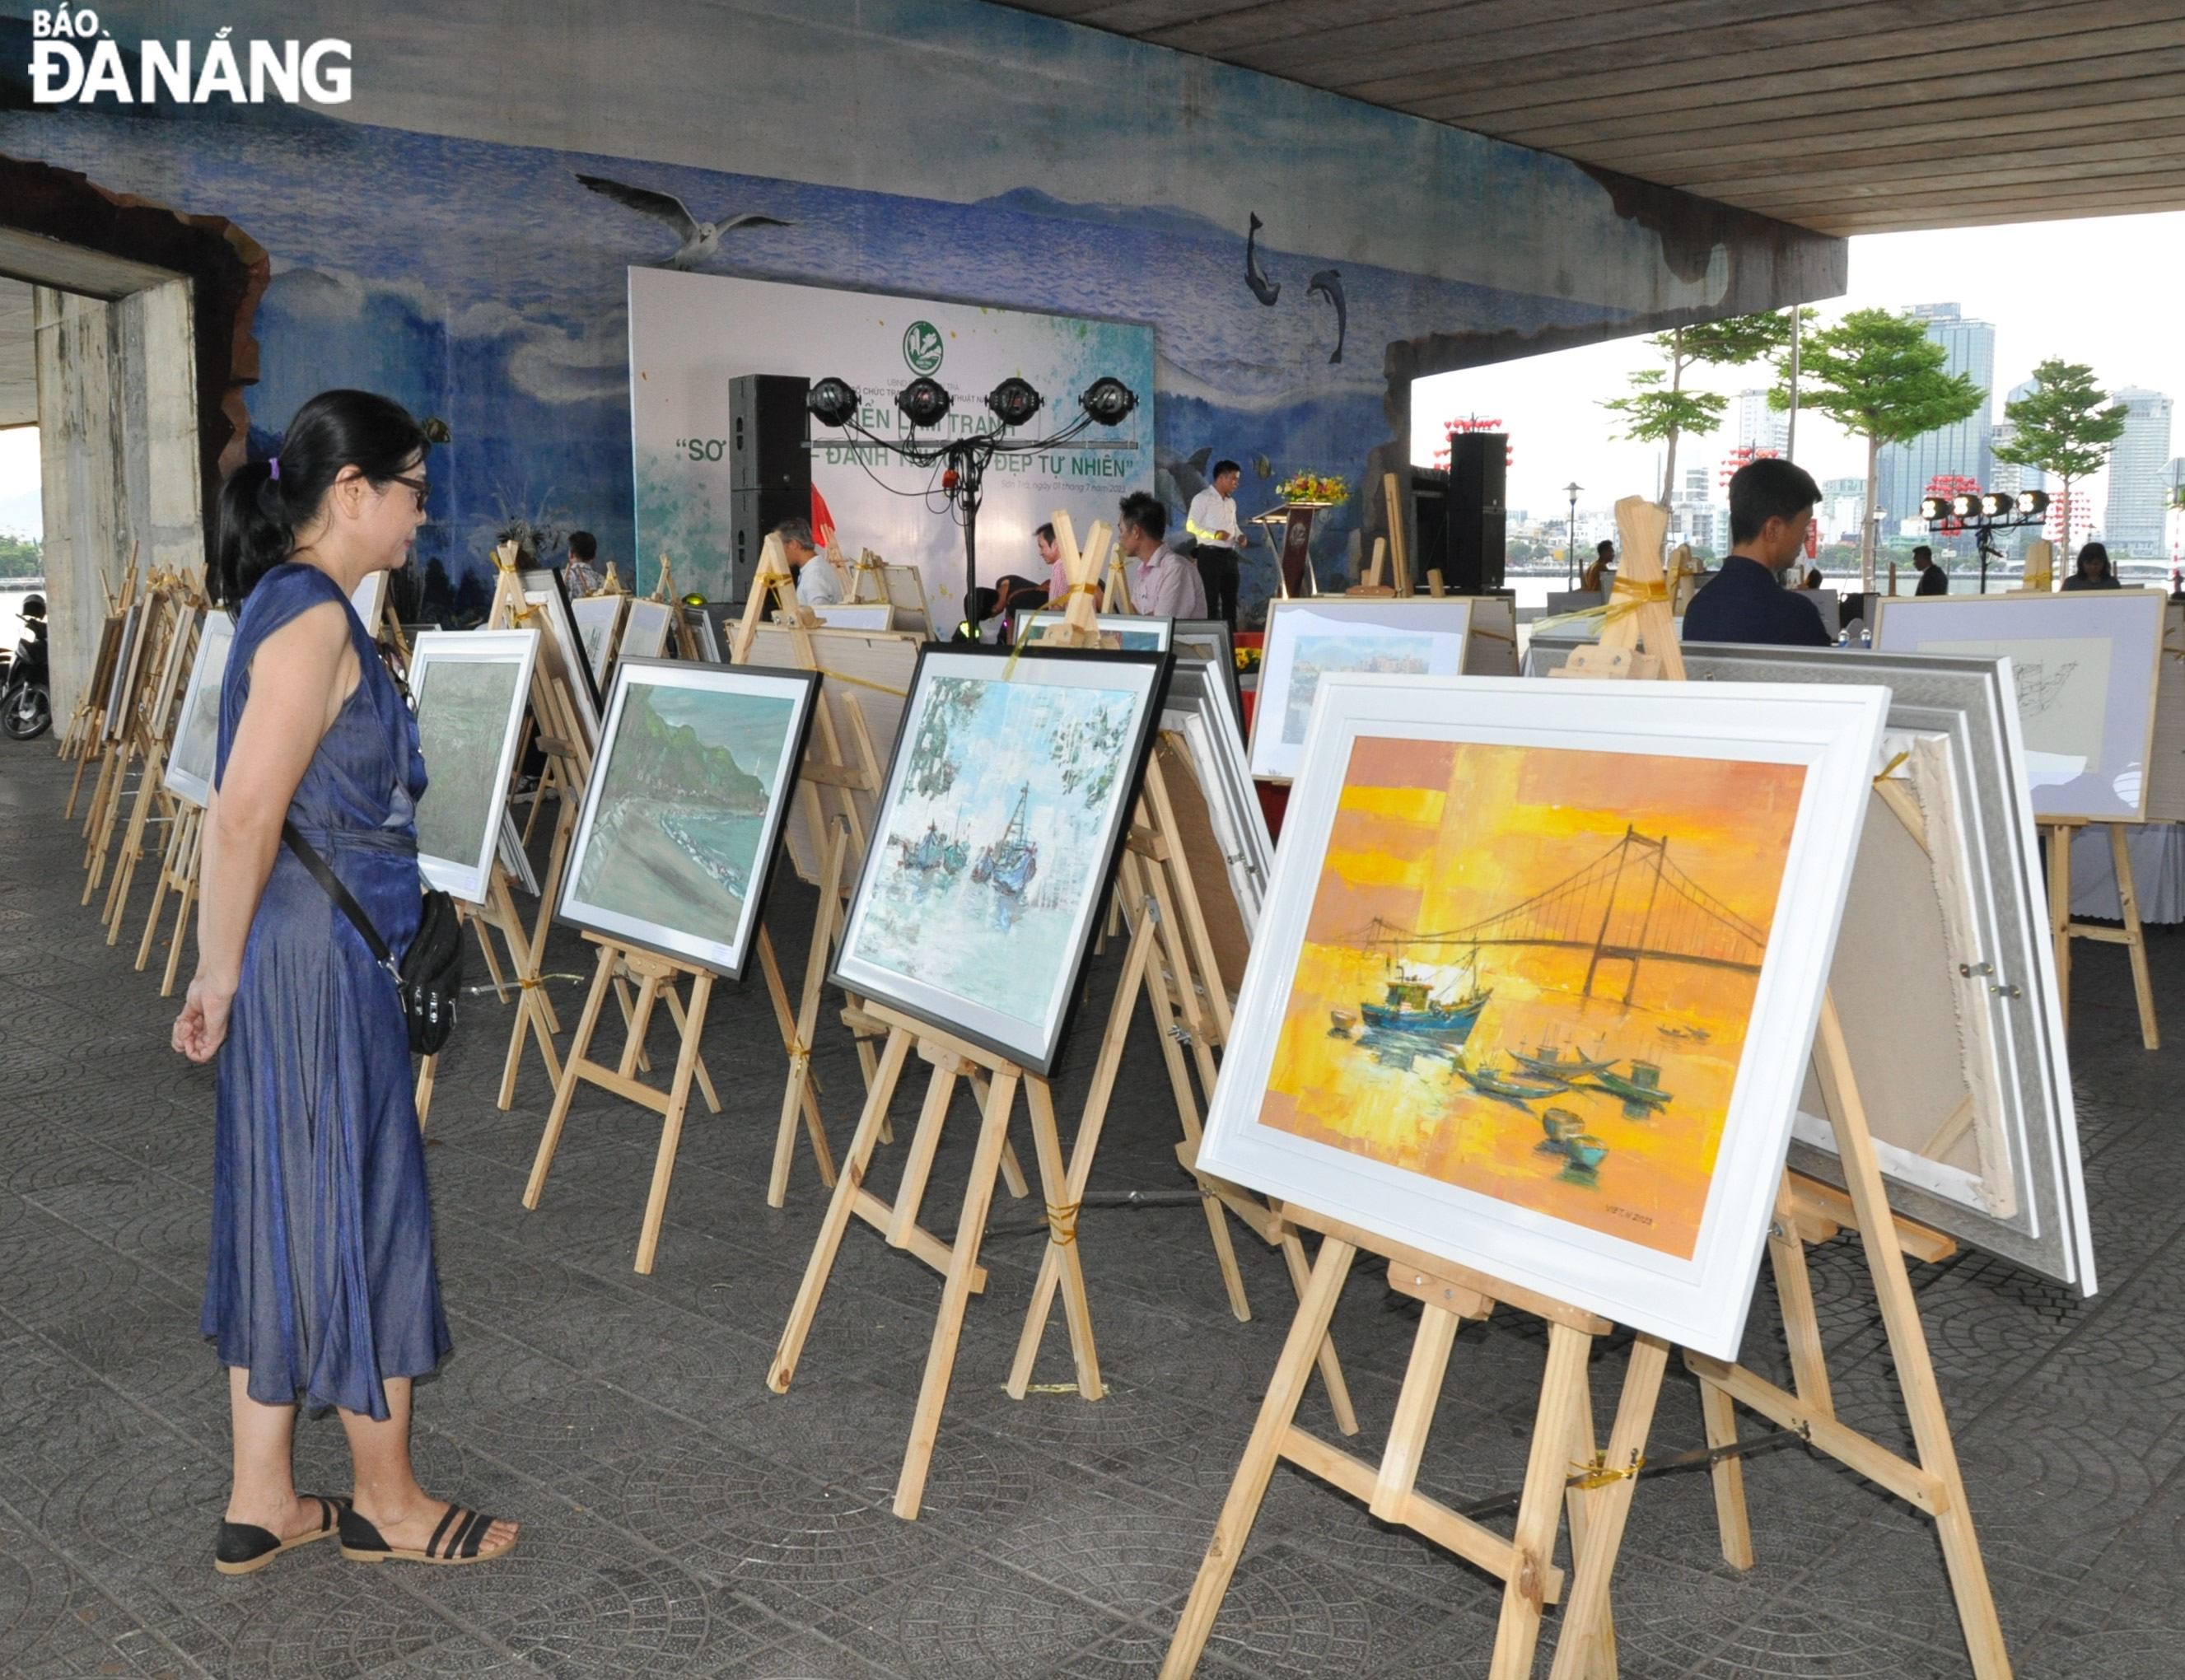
x: 1163, y: 584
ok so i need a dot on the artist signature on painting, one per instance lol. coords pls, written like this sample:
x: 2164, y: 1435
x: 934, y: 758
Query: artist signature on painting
x: 1631, y: 1213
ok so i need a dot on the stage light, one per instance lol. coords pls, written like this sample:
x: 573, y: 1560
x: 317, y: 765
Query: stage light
x: 2033, y: 503
x: 1996, y: 505
x: 1109, y: 401
x: 1932, y: 508
x: 925, y: 402
x: 832, y: 402
x: 1014, y: 401
x: 1965, y: 507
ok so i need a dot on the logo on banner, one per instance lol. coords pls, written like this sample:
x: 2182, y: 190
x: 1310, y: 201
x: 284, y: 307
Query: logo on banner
x: 921, y: 348
x: 73, y: 59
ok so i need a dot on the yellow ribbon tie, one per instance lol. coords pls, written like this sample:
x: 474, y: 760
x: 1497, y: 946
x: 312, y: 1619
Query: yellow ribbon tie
x: 1062, y: 1222
x: 1889, y: 769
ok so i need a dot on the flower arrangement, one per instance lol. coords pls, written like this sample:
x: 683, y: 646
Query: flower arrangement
x: 1247, y: 660
x: 1323, y: 489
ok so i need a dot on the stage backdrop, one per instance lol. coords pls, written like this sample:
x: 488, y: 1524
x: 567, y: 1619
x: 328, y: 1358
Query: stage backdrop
x: 689, y: 334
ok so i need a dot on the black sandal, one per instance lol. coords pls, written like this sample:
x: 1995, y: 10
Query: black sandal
x: 244, y: 1547
x: 456, y: 1540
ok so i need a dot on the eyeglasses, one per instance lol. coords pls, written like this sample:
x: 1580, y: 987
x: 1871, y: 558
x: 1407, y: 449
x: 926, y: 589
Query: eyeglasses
x: 419, y: 487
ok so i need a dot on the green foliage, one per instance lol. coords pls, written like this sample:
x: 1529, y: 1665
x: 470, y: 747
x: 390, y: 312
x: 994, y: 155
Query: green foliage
x: 2062, y: 427
x: 1659, y: 409
x: 1880, y: 377
x: 21, y: 556
x: 669, y: 760
x: 1653, y: 415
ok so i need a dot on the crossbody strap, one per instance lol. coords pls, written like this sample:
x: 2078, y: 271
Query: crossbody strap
x: 341, y: 895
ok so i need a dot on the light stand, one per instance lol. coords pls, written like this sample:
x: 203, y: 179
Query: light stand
x: 1986, y: 515
x: 964, y: 461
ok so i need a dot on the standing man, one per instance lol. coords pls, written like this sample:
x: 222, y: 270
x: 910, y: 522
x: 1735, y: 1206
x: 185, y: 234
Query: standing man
x: 817, y: 583
x: 1163, y: 583
x: 577, y: 576
x: 1212, y: 523
x: 1933, y: 580
x: 1771, y: 509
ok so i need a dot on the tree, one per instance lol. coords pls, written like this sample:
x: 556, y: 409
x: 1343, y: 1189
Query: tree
x: 2062, y: 427
x: 1879, y: 377
x: 1659, y: 412
x: 21, y: 556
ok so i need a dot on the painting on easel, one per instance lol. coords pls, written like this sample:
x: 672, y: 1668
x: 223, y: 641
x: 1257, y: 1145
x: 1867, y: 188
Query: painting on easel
x: 1536, y: 975
x: 682, y: 820
x: 1132, y: 633
x: 197, y: 736
x: 598, y: 619
x: 1309, y: 640
x: 470, y: 689
x: 563, y: 650
x: 1005, y: 805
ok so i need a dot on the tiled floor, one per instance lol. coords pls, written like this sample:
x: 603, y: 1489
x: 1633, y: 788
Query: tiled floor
x: 679, y: 1519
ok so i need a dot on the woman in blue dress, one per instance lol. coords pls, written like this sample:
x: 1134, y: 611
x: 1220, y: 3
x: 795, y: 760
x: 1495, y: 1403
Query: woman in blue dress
x: 322, y: 1290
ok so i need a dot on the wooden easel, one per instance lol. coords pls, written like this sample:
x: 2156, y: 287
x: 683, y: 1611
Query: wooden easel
x: 178, y: 874
x: 1599, y: 1498
x: 157, y: 719
x: 140, y: 741
x: 88, y: 726
x: 2059, y: 832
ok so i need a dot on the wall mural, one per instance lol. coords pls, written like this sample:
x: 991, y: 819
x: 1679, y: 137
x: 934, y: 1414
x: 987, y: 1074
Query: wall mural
x: 485, y: 282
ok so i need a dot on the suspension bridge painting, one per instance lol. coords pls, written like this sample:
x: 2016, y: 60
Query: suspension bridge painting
x: 1537, y: 996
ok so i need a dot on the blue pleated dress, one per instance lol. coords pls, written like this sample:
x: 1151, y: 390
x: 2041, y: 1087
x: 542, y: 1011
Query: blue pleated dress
x: 322, y: 1283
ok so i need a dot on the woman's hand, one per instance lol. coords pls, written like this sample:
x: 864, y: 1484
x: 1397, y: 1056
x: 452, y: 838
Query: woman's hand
x: 202, y: 1027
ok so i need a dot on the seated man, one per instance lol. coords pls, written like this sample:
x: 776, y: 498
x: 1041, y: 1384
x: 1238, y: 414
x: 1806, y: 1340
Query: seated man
x: 1771, y: 508
x: 817, y: 583
x: 1163, y: 584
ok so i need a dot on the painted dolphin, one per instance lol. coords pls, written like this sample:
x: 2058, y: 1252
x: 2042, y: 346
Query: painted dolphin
x: 1328, y: 284
x: 1186, y: 477
x: 1265, y: 290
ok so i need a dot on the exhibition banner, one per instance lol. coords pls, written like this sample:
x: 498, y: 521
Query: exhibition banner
x: 689, y: 334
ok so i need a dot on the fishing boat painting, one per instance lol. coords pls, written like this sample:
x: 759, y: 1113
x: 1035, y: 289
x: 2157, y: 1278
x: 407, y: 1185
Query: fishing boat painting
x: 1528, y: 972
x: 995, y: 836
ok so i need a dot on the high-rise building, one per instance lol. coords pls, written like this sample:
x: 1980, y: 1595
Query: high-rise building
x: 2132, y: 521
x: 1758, y: 427
x: 1843, y: 506
x: 1956, y: 451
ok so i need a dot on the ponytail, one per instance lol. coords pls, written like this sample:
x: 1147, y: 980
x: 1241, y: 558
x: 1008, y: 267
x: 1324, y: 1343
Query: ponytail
x: 264, y: 502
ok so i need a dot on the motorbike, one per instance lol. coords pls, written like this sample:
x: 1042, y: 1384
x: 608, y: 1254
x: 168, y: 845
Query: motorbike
x: 26, y: 709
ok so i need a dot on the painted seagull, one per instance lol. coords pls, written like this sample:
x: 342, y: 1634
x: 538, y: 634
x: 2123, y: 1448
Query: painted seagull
x: 701, y: 239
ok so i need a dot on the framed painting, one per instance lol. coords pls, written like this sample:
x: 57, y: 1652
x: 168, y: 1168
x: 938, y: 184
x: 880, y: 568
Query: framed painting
x: 598, y: 619
x: 645, y: 630
x: 1308, y: 639
x: 471, y: 689
x: 1221, y: 829
x: 2084, y: 666
x: 369, y: 602
x: 174, y: 668
x: 1132, y: 633
x: 1491, y: 645
x: 561, y: 647
x: 856, y: 616
x: 1945, y: 973
x: 1005, y: 808
x: 121, y: 682
x: 1539, y: 968
x: 699, y: 621
x: 1209, y: 639
x: 681, y: 822
x: 190, y: 766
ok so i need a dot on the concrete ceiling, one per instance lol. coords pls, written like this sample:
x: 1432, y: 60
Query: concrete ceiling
x: 1844, y: 118
x: 18, y: 361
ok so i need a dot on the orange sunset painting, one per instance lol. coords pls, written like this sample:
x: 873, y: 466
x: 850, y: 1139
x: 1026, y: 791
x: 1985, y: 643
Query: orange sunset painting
x: 1528, y: 972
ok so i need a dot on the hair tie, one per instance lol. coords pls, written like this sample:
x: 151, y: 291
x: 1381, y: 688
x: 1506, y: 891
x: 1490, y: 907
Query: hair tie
x: 273, y: 468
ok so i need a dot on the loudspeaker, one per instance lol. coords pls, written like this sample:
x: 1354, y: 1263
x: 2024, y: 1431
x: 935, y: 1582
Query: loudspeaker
x: 1478, y: 530
x: 770, y: 432
x: 752, y: 515
x: 1429, y: 545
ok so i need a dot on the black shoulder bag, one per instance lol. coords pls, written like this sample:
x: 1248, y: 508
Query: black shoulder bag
x: 432, y: 969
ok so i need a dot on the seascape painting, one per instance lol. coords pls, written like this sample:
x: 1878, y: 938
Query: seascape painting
x: 197, y: 736
x: 644, y: 636
x: 996, y: 838
x: 1313, y: 657
x: 1529, y: 974
x: 682, y: 815
x: 462, y: 716
x: 1309, y: 639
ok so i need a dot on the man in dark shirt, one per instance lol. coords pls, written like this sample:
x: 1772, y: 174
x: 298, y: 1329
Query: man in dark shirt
x: 1933, y: 580
x: 1771, y: 509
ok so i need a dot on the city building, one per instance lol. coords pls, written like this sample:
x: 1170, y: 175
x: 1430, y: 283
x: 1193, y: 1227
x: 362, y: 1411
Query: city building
x: 1758, y: 428
x: 1958, y: 451
x: 2132, y: 521
x: 1843, y: 505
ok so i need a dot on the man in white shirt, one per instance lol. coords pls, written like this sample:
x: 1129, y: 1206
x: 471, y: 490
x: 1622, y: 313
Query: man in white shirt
x: 817, y: 583
x: 1213, y: 526
x: 1163, y: 584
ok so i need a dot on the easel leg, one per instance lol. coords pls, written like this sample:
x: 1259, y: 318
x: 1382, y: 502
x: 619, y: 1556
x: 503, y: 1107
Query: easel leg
x: 1586, y: 1649
x: 1719, y: 1413
x: 799, y: 1096
x: 671, y: 1129
x: 2135, y: 936
x: 2060, y: 915
x: 839, y: 1207
x: 428, y: 1070
x: 1059, y: 1266
x: 1331, y: 1368
x: 1517, y: 1634
x: 955, y: 1294
x: 565, y: 1088
x: 697, y: 1013
x: 1308, y: 1331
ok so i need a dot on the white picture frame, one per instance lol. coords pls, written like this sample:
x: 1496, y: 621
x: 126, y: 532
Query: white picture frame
x: 2085, y: 664
x: 190, y: 767
x: 1753, y: 733
x: 598, y: 619
x: 690, y: 882
x: 562, y: 646
x: 368, y: 600
x: 1135, y: 634
x: 700, y: 622
x: 1425, y: 635
x: 856, y: 615
x: 470, y: 689
x: 173, y: 673
x: 1197, y: 712
x: 121, y: 683
x: 983, y: 928
x: 645, y: 630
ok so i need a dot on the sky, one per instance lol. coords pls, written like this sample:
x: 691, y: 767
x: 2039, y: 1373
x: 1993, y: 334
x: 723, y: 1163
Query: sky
x: 2101, y: 291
